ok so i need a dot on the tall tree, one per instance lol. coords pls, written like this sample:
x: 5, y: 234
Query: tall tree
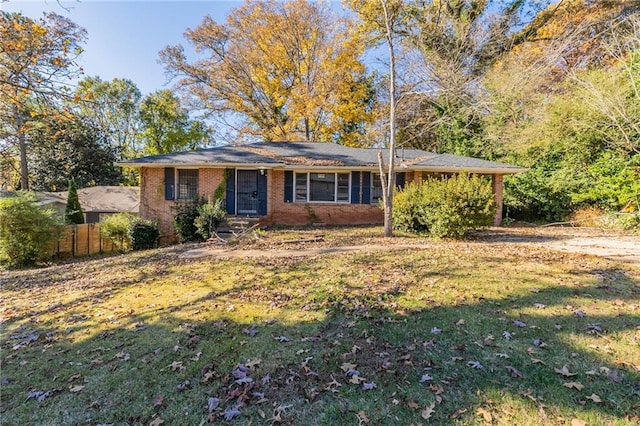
x: 289, y: 70
x: 70, y: 147
x: 37, y: 60
x: 166, y: 126
x: 448, y: 45
x: 112, y: 107
x: 73, y: 211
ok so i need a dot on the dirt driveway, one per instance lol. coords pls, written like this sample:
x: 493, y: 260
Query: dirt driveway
x: 613, y: 245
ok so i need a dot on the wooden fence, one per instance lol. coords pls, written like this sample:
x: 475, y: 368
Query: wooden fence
x: 81, y: 240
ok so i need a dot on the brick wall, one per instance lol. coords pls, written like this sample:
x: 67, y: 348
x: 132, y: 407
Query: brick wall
x: 154, y: 206
x: 304, y: 213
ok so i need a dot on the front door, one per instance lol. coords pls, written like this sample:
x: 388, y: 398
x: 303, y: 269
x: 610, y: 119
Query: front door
x: 251, y: 192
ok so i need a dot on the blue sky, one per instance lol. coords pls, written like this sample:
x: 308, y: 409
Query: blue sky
x: 124, y: 37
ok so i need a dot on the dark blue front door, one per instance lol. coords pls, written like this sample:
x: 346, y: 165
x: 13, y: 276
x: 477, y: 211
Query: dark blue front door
x: 251, y: 193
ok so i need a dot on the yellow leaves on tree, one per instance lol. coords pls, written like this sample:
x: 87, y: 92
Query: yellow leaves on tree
x: 292, y: 69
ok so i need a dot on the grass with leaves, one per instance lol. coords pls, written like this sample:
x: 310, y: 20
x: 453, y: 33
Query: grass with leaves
x: 471, y: 332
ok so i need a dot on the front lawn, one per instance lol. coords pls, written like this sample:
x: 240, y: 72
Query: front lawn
x: 473, y: 332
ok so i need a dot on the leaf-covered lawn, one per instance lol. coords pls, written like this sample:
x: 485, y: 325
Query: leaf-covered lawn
x: 468, y: 332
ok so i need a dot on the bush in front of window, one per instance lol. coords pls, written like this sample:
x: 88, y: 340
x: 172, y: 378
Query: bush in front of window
x: 445, y: 207
x: 184, y: 217
x: 210, y: 216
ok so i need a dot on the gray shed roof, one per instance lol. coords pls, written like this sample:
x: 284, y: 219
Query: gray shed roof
x: 310, y: 155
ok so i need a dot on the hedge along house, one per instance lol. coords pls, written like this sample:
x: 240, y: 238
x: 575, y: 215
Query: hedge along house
x: 292, y: 183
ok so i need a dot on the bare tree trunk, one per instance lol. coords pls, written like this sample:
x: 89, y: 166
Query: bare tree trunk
x: 22, y: 146
x: 388, y: 181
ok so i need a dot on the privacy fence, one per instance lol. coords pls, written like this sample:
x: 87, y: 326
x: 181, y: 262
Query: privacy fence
x: 81, y: 240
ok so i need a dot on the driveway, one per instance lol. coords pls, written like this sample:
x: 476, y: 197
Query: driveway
x: 613, y: 245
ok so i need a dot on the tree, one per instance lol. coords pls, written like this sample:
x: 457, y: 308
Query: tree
x: 166, y: 126
x: 65, y: 146
x: 37, y: 60
x: 112, y: 107
x: 26, y: 230
x: 286, y: 70
x: 73, y: 211
x: 383, y: 20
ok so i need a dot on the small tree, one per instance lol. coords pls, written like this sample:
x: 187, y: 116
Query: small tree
x: 26, y: 230
x: 73, y: 214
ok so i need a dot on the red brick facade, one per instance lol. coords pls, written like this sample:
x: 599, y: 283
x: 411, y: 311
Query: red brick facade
x: 153, y: 204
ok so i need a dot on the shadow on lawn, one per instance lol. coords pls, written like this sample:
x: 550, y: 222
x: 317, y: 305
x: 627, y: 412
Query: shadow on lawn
x: 448, y: 362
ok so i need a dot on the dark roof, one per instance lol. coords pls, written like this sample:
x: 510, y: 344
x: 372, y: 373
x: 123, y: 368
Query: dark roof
x: 317, y: 155
x: 104, y: 199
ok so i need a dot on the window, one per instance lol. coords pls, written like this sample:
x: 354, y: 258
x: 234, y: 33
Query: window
x: 322, y: 187
x: 187, y: 184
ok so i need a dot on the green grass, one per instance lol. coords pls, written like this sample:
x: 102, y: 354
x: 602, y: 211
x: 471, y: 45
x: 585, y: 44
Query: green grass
x: 148, y: 337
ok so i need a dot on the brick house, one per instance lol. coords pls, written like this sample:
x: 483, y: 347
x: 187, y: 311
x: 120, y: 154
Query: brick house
x: 292, y: 183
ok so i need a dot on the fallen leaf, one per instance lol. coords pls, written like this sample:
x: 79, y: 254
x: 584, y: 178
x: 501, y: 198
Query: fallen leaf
x: 436, y: 330
x: 488, y: 418
x: 594, y: 398
x: 475, y: 364
x: 177, y: 366
x: 564, y: 371
x: 230, y: 413
x: 413, y: 405
x: 614, y: 376
x: 347, y: 366
x: 156, y: 422
x: 426, y: 378
x: 76, y: 388
x: 514, y: 372
x: 428, y: 411
x: 158, y: 400
x: 368, y: 386
x: 282, y: 339
x: 252, y: 363
x: 577, y: 422
x: 460, y: 322
x: 212, y: 404
x: 519, y: 323
x: 507, y: 335
x: 362, y: 417
x: 573, y: 385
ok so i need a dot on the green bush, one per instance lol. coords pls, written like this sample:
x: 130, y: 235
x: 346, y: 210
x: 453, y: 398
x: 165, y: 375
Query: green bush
x: 184, y: 217
x: 210, y: 216
x: 116, y: 228
x: 26, y: 231
x: 143, y: 234
x: 130, y: 232
x: 446, y: 207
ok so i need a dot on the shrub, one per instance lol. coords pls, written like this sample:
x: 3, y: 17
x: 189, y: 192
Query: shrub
x: 73, y: 214
x: 184, y: 217
x: 26, y: 230
x: 446, y: 207
x: 116, y: 228
x: 143, y: 234
x: 130, y: 232
x: 210, y: 216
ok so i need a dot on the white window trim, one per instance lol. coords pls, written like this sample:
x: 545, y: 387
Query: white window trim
x: 308, y: 186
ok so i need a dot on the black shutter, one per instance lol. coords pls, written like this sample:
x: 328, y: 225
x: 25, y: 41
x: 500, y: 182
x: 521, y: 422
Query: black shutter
x: 288, y: 186
x: 366, y: 187
x: 231, y: 192
x: 400, y: 180
x: 355, y: 187
x: 169, y: 183
x: 262, y: 193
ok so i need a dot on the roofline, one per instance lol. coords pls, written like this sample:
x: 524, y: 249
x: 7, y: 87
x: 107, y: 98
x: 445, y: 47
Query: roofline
x: 282, y: 166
